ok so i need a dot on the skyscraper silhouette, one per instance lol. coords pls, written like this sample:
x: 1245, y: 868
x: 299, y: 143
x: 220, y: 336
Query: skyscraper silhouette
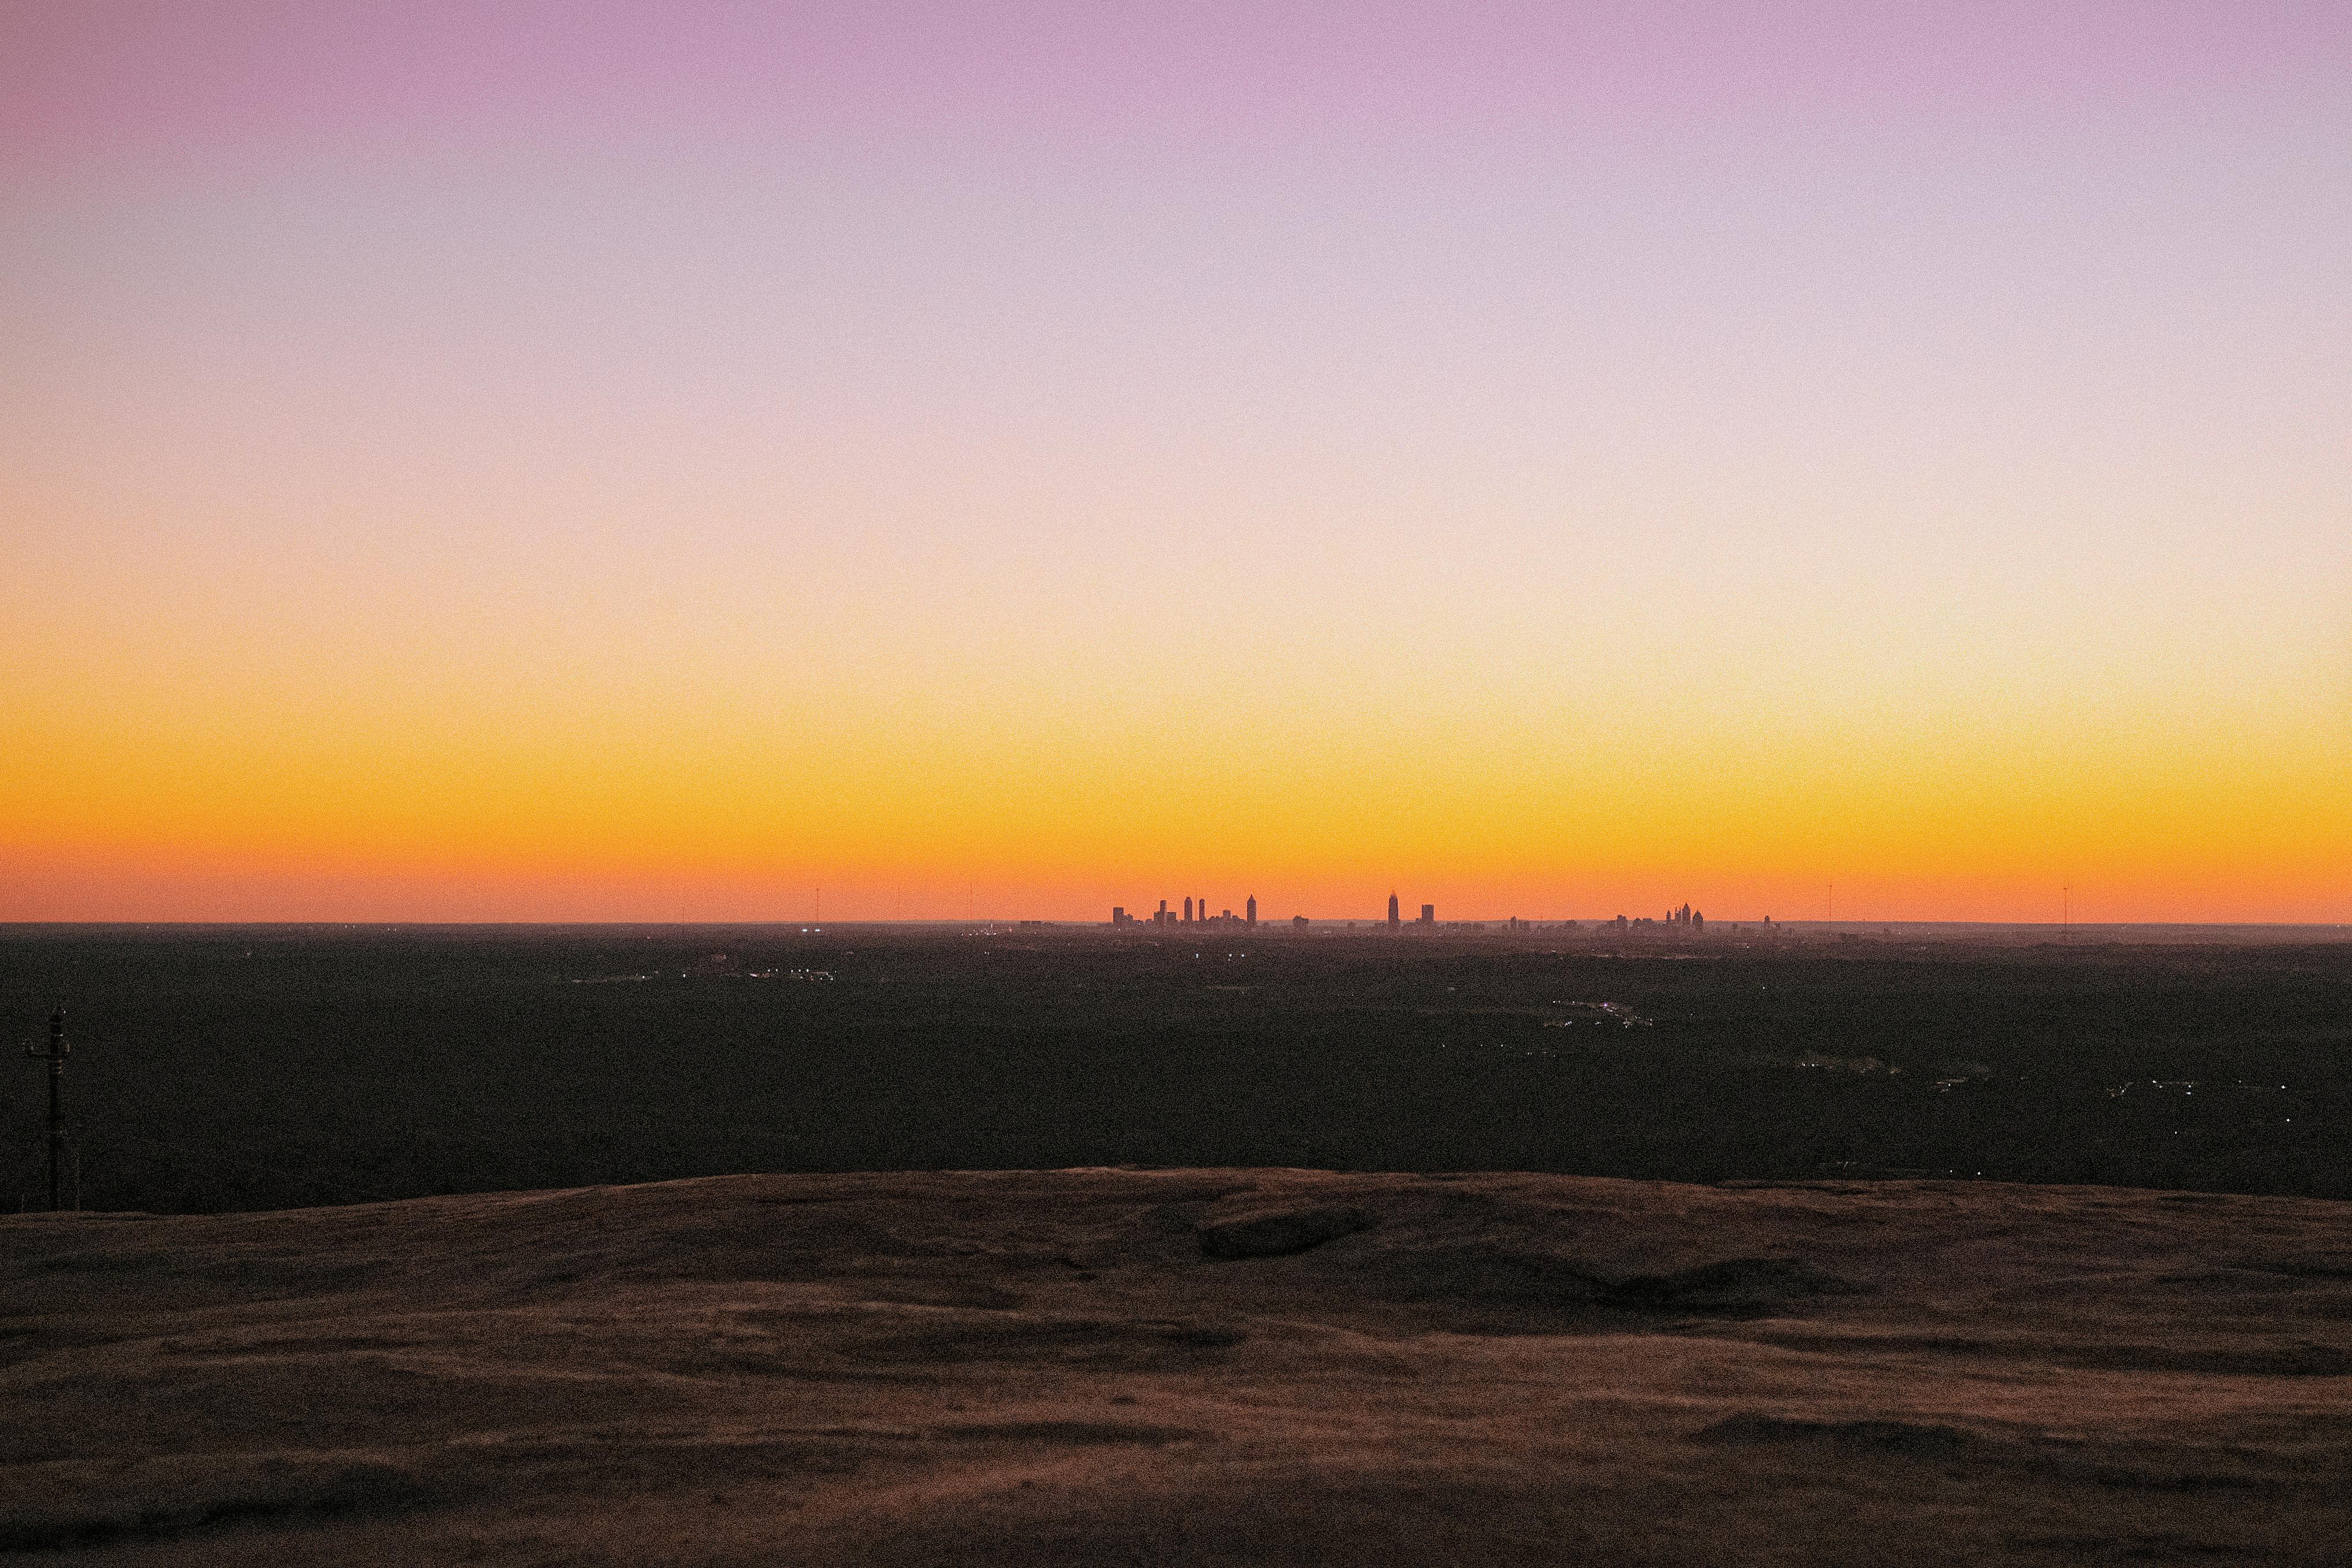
x: 1188, y: 912
x: 1249, y: 910
x: 1393, y: 910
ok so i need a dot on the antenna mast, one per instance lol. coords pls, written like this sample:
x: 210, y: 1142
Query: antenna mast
x: 56, y: 1057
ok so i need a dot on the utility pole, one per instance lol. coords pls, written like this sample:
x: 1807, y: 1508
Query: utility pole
x: 55, y: 1056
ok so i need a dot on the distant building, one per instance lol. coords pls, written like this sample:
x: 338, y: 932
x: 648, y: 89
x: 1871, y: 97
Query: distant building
x: 1249, y: 909
x: 1393, y: 910
x: 1698, y: 921
x: 1118, y: 915
x: 1298, y: 922
x: 1188, y: 912
x: 1428, y: 915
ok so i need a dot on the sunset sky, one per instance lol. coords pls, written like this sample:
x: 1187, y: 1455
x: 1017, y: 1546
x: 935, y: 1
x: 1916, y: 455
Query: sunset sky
x: 599, y: 460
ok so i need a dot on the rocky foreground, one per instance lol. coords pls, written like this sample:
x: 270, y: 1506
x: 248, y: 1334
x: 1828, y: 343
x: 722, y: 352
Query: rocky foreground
x: 1186, y: 1367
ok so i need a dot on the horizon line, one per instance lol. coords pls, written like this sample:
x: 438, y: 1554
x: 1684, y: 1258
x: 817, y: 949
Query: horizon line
x: 1282, y: 922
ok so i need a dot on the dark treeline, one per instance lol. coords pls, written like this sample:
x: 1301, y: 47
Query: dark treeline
x: 236, y: 1069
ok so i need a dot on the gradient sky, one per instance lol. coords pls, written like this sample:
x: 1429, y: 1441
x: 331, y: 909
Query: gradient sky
x: 607, y: 460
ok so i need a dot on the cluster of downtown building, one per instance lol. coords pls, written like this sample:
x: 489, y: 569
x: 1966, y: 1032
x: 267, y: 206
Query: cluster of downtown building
x: 1194, y: 914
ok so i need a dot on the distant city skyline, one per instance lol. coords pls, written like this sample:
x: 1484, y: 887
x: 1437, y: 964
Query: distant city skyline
x: 1193, y: 913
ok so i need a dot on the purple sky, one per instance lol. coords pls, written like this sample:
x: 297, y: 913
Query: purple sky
x: 102, y: 80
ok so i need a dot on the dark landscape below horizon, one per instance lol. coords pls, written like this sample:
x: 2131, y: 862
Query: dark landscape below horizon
x: 1808, y: 1334
x: 246, y: 1067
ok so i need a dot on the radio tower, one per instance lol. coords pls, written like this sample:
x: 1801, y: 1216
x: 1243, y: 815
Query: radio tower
x: 55, y: 1056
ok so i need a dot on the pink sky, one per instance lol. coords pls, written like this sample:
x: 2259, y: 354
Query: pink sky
x: 96, y: 82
